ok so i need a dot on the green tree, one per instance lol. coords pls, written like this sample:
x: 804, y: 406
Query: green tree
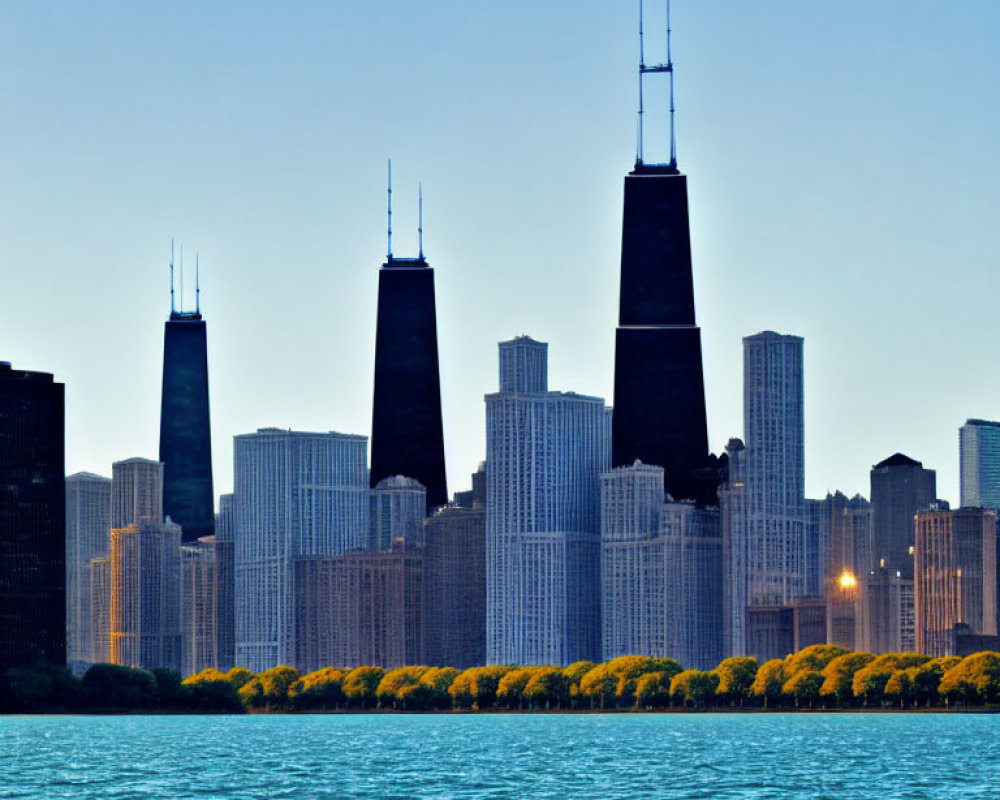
x: 869, y: 682
x: 575, y: 672
x: 321, y: 689
x: 768, y: 683
x: 927, y: 679
x: 41, y: 688
x: 693, y: 688
x: 975, y: 680
x: 838, y: 677
x: 815, y: 657
x: 899, y: 688
x: 361, y: 684
x: 239, y: 676
x: 439, y: 680
x: 804, y: 687
x: 736, y: 676
x: 652, y: 690
x: 510, y: 689
x: 269, y: 689
x: 172, y: 696
x: 389, y: 691
x: 111, y: 687
x: 549, y: 687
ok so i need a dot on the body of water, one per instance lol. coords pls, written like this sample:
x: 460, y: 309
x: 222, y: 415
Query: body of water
x: 565, y: 756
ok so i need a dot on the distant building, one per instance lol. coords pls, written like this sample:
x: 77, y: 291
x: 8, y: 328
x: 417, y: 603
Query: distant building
x: 545, y: 453
x: 296, y: 495
x: 88, y: 536
x: 100, y: 609
x: 199, y: 605
x: 32, y: 519
x: 979, y: 464
x: 359, y: 609
x: 808, y: 623
x: 455, y: 587
x: 476, y: 496
x: 185, y: 430
x: 398, y: 509
x: 136, y: 492
x: 733, y: 512
x: 900, y: 487
x: 771, y: 630
x: 955, y: 576
x: 146, y: 595
x: 225, y: 598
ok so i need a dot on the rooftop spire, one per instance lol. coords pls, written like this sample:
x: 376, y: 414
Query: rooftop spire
x: 643, y: 71
x: 172, y: 307
x: 389, y: 255
x: 197, y: 286
x: 420, y: 218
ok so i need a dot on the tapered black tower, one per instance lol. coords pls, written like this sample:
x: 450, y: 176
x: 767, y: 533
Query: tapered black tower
x: 659, y: 405
x: 185, y: 433
x: 407, y: 437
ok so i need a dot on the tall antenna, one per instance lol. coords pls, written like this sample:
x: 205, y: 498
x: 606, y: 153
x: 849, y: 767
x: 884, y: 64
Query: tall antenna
x: 420, y: 218
x: 670, y: 69
x: 172, y: 309
x: 643, y: 70
x: 182, y: 279
x: 390, y: 211
x: 197, y: 286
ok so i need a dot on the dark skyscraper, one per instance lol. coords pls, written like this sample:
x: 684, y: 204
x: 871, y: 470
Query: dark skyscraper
x: 185, y: 434
x: 32, y: 519
x: 659, y: 403
x: 407, y: 437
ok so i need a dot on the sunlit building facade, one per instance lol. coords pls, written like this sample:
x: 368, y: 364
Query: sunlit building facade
x: 88, y: 536
x: 199, y: 605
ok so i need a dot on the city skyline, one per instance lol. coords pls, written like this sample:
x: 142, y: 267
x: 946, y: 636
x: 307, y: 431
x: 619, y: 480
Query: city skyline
x: 828, y: 215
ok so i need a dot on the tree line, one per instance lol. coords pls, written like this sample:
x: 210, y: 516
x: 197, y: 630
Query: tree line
x: 817, y: 677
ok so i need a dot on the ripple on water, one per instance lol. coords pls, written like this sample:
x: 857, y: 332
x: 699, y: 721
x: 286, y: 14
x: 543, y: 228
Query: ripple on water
x: 482, y: 757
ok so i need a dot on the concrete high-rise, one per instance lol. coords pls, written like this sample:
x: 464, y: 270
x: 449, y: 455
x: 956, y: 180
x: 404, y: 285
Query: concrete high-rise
x: 185, y: 430
x: 225, y: 596
x: 297, y: 494
x: 733, y: 512
x: 136, y: 491
x: 774, y: 427
x: 545, y: 452
x: 32, y: 519
x: 398, y: 509
x: 661, y: 572
x: 979, y: 464
x: 455, y: 587
x: 88, y: 532
x: 955, y: 576
x: 199, y: 605
x: 659, y: 397
x: 407, y: 435
x: 900, y: 488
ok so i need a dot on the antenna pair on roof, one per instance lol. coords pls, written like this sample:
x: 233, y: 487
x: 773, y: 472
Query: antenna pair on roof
x: 420, y: 216
x: 197, y: 282
x: 643, y: 70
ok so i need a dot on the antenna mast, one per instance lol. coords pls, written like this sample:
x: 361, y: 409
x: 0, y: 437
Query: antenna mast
x: 643, y: 71
x: 420, y: 218
x: 172, y: 309
x: 389, y: 255
x: 197, y: 286
x: 182, y: 279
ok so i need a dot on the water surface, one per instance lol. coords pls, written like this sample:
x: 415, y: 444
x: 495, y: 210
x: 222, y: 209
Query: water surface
x: 605, y: 757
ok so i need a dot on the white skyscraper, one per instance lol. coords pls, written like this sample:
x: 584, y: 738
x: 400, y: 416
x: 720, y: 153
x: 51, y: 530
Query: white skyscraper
x: 979, y: 462
x: 137, y: 491
x: 546, y: 452
x: 296, y: 494
x: 88, y: 535
x: 661, y: 572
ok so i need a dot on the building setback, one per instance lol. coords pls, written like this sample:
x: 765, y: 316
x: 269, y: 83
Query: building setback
x: 88, y: 532
x: 455, y: 587
x: 185, y: 430
x: 297, y: 494
x: 545, y: 453
x: 955, y: 576
x: 407, y: 435
x: 32, y: 519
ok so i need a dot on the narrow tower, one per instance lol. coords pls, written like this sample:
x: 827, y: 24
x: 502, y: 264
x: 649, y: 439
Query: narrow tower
x: 407, y: 437
x: 185, y: 433
x: 659, y: 404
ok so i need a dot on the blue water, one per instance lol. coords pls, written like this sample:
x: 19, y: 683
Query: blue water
x: 836, y: 756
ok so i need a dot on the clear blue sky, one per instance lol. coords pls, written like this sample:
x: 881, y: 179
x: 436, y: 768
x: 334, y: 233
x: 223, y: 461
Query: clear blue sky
x: 843, y: 163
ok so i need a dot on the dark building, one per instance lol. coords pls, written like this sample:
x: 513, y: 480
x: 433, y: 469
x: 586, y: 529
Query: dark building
x: 659, y: 402
x: 407, y: 437
x: 185, y: 433
x: 225, y: 594
x: 900, y: 488
x: 32, y: 519
x: 455, y: 587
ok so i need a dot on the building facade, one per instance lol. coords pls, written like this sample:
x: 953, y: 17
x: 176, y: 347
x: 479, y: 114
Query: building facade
x: 296, y: 495
x: 88, y: 536
x: 398, y: 509
x: 199, y: 605
x: 979, y: 464
x: 225, y: 598
x: 955, y: 576
x: 136, y: 492
x: 455, y: 587
x: 32, y: 519
x: 545, y: 452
